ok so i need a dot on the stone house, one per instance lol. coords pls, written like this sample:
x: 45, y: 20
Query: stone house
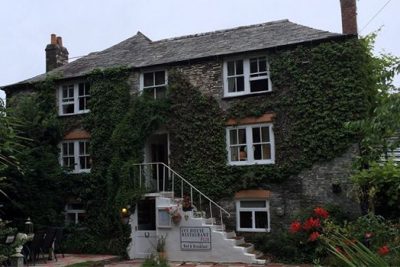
x: 232, y: 66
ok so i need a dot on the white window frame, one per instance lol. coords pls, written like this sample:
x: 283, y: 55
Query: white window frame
x: 250, y: 144
x: 141, y: 81
x: 75, y: 212
x: 253, y: 210
x: 74, y: 101
x: 77, y: 168
x: 246, y: 74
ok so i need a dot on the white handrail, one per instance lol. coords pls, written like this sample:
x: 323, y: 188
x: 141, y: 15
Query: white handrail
x: 182, y: 180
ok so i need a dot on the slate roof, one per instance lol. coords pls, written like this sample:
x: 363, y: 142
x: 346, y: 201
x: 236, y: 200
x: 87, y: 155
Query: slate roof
x: 140, y: 51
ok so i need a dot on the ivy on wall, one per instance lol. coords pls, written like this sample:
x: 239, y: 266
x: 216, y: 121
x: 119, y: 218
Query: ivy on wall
x: 197, y: 134
x: 316, y: 89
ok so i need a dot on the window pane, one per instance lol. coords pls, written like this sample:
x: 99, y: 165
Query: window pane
x: 266, y: 151
x: 245, y: 219
x: 242, y: 136
x: 148, y: 79
x: 65, y: 92
x: 256, y: 135
x: 68, y: 109
x: 253, y: 204
x: 81, y: 89
x: 71, y: 91
x: 161, y: 92
x: 240, y: 84
x: 257, y: 152
x: 253, y: 66
x: 87, y: 88
x: 231, y: 85
x: 65, y: 149
x: 265, y: 134
x: 239, y: 66
x: 160, y: 78
x: 233, y: 137
x: 82, y: 103
x: 234, y: 153
x: 82, y: 149
x: 71, y: 148
x: 231, y: 68
x: 262, y: 65
x: 83, y: 163
x: 242, y: 153
x: 259, y: 85
x: 261, y: 219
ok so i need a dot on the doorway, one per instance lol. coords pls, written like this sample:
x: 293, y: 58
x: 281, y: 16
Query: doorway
x: 157, y: 151
x: 145, y: 234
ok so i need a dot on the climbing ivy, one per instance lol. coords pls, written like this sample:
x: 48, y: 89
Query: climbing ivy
x: 197, y: 135
x: 316, y: 89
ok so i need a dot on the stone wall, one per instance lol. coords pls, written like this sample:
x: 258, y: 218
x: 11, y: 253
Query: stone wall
x: 322, y: 184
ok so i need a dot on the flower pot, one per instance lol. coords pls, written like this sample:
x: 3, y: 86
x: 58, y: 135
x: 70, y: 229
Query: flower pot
x: 176, y: 219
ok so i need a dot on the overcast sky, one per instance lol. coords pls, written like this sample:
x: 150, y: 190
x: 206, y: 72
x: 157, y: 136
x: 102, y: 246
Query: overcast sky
x: 93, y: 25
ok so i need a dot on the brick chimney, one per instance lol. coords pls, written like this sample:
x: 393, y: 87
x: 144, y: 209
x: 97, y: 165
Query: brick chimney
x: 349, y: 16
x: 56, y: 53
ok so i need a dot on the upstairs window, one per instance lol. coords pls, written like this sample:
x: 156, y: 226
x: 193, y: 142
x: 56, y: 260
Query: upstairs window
x: 75, y: 156
x: 246, y: 76
x: 73, y: 98
x: 154, y: 83
x: 250, y: 144
x: 252, y: 215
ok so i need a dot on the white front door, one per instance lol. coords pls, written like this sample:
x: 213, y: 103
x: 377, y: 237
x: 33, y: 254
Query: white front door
x: 144, y: 230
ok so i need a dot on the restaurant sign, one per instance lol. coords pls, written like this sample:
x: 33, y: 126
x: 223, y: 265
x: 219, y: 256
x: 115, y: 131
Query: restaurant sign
x: 195, y: 238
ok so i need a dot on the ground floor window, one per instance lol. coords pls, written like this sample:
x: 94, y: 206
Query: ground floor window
x: 74, y: 213
x: 252, y: 216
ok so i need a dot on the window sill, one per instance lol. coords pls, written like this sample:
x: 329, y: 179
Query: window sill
x: 74, y: 114
x: 254, y: 230
x: 78, y: 171
x: 247, y: 163
x: 227, y: 97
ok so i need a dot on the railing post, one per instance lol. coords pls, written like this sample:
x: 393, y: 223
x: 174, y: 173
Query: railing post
x: 211, y: 216
x: 158, y: 178
x: 222, y: 223
x: 140, y: 176
x: 164, y: 174
x: 173, y: 185
x: 191, y: 195
x: 181, y: 188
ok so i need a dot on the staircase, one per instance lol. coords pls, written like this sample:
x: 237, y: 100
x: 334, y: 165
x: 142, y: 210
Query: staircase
x: 169, y: 188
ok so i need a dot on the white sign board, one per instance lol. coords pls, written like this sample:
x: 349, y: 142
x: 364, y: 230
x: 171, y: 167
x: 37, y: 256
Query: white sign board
x: 195, y: 238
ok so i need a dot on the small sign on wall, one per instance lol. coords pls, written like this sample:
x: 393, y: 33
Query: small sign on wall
x: 195, y: 238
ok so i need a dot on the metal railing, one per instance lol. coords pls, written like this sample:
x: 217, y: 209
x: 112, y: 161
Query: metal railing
x: 159, y: 177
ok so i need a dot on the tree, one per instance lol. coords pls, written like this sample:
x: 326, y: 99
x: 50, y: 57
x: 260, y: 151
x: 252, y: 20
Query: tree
x: 379, y: 131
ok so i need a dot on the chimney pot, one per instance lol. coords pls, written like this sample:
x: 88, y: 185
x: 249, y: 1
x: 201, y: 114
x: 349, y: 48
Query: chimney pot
x: 349, y: 16
x: 56, y: 53
x: 53, y: 39
x: 59, y: 41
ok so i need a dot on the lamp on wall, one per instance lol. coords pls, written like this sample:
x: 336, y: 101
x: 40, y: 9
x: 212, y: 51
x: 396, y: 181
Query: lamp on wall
x: 125, y: 214
x: 28, y: 226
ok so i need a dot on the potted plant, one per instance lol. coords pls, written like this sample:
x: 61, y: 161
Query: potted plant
x: 175, y: 214
x: 161, y: 247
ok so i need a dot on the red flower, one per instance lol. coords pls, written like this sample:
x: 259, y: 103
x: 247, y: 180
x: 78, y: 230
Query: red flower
x: 383, y: 250
x: 295, y: 227
x: 311, y: 223
x: 314, y: 236
x: 321, y: 212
